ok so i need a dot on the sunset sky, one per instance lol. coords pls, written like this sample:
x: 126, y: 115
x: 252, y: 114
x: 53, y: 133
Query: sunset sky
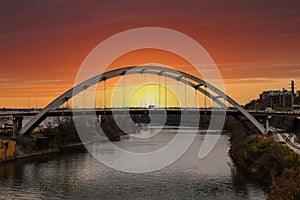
x: 255, y: 44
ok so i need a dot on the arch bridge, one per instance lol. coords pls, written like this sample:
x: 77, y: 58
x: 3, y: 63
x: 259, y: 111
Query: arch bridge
x: 198, y: 84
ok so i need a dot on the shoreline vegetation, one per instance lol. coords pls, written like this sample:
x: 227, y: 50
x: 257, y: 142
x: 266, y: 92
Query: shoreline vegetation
x: 59, y: 135
x: 277, y: 166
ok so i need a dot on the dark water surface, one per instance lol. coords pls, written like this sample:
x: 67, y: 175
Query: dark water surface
x: 80, y: 176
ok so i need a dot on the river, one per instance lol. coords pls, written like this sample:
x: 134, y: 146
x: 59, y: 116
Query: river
x: 78, y: 175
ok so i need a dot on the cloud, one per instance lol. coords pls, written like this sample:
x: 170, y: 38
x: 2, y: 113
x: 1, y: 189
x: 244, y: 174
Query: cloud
x: 249, y: 81
x: 261, y: 70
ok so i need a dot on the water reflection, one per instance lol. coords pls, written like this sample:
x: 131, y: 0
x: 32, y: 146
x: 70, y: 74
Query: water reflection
x: 7, y: 171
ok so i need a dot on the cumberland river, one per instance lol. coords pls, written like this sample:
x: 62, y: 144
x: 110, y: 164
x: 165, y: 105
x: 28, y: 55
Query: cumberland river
x: 78, y: 175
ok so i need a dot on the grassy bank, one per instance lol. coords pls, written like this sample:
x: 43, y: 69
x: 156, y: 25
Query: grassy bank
x: 274, y: 164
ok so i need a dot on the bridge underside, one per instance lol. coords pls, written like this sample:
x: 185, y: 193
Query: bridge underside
x: 190, y: 80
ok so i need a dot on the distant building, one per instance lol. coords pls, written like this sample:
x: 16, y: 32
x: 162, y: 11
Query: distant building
x: 280, y: 98
x: 296, y: 107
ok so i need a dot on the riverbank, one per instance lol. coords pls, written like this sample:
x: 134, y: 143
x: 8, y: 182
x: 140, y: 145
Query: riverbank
x: 19, y: 154
x: 274, y: 164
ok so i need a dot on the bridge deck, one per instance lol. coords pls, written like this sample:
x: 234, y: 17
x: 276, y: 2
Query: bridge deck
x: 119, y: 111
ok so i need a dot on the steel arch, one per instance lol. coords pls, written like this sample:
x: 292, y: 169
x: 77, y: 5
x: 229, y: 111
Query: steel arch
x: 195, y: 82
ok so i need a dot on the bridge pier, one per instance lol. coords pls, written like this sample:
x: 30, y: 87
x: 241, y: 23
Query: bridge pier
x: 17, y: 126
x: 268, y: 123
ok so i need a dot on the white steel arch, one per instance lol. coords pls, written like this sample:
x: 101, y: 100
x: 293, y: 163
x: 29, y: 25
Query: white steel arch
x: 183, y: 77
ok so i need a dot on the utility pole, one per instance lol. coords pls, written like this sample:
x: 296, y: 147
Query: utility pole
x: 293, y: 94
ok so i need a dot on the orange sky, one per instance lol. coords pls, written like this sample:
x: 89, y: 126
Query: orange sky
x: 255, y: 44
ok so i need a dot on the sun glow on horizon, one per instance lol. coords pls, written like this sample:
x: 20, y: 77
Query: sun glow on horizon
x: 153, y: 95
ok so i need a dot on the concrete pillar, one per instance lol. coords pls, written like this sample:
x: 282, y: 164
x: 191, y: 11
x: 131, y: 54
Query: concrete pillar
x: 268, y: 123
x: 17, y: 125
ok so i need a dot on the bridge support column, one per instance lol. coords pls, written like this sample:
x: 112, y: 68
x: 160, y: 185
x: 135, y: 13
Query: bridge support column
x: 17, y: 125
x: 268, y: 123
